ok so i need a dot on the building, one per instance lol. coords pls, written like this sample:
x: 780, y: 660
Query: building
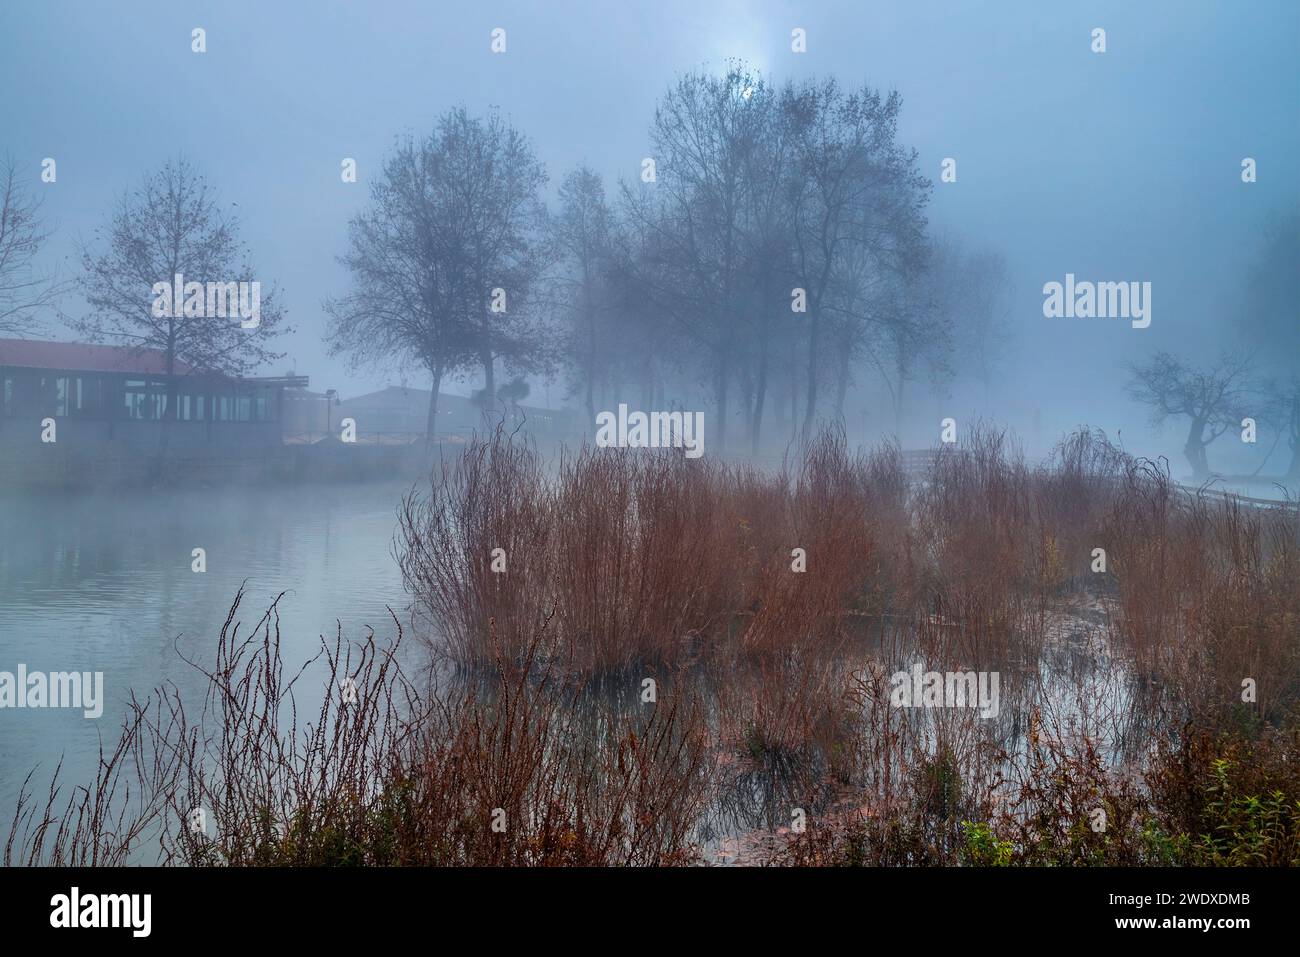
x: 120, y: 396
x: 305, y: 416
x: 398, y: 411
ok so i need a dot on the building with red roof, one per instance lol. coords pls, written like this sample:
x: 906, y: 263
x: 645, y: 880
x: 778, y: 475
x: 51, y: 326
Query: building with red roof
x: 124, y: 395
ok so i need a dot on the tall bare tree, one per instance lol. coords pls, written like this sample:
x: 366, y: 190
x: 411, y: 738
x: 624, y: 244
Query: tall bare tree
x: 24, y: 291
x: 492, y: 181
x: 758, y: 192
x: 453, y: 216
x: 583, y: 234
x: 644, y: 355
x: 917, y: 336
x: 705, y: 130
x: 1270, y: 322
x: 412, y: 296
x: 854, y: 187
x: 984, y: 327
x: 173, y: 224
x: 768, y: 324
x: 1280, y: 408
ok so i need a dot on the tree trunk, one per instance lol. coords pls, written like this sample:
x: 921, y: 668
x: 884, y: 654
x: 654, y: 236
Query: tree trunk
x: 431, y: 423
x: 1293, y: 471
x: 898, y: 406
x: 760, y: 396
x: 489, y: 382
x: 794, y: 406
x: 1195, y: 450
x: 591, y: 355
x: 720, y: 397
x: 647, y: 384
x: 746, y: 400
x: 591, y: 399
x: 1293, y: 440
x: 810, y: 402
x: 169, y: 410
x: 842, y: 386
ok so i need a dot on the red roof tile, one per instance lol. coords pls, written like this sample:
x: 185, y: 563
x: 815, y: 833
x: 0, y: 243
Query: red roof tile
x: 85, y: 357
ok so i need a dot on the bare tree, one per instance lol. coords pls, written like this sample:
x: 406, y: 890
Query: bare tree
x: 24, y: 291
x: 983, y: 326
x: 1212, y: 400
x: 920, y: 338
x: 705, y: 128
x: 1268, y: 320
x: 490, y: 179
x: 1279, y: 404
x: 854, y: 187
x: 643, y: 355
x: 172, y: 225
x: 453, y: 229
x: 413, y: 297
x: 583, y: 237
x: 768, y: 261
x: 759, y: 192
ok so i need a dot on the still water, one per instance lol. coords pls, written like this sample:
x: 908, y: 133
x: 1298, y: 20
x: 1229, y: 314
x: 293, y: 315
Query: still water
x: 104, y: 583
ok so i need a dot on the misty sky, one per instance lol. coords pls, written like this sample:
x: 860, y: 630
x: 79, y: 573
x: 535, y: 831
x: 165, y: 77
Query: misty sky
x: 1122, y: 166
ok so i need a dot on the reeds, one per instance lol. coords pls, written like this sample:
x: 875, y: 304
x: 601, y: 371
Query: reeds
x: 644, y: 556
x: 387, y: 772
x: 769, y: 610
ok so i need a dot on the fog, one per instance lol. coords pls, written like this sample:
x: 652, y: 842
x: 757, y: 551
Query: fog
x: 1116, y: 166
x: 255, y: 348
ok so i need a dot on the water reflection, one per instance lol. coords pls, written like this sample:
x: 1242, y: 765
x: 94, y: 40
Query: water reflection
x: 104, y: 583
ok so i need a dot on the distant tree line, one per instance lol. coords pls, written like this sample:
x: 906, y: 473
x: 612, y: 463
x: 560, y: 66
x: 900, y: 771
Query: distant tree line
x: 773, y: 253
x: 774, y: 245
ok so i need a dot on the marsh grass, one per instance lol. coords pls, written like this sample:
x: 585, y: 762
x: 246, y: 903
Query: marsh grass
x: 1121, y: 689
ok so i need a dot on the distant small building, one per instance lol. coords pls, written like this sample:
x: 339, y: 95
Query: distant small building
x: 399, y: 411
x: 122, y: 395
x: 305, y: 415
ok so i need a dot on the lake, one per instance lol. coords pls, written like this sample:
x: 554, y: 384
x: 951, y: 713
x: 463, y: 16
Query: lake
x: 104, y: 583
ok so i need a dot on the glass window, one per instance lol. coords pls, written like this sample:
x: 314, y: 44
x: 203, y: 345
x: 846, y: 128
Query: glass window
x: 82, y: 396
x: 144, y: 400
x: 158, y: 399
x: 54, y: 395
x: 192, y: 408
x: 22, y: 393
x: 248, y: 403
x: 135, y: 396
